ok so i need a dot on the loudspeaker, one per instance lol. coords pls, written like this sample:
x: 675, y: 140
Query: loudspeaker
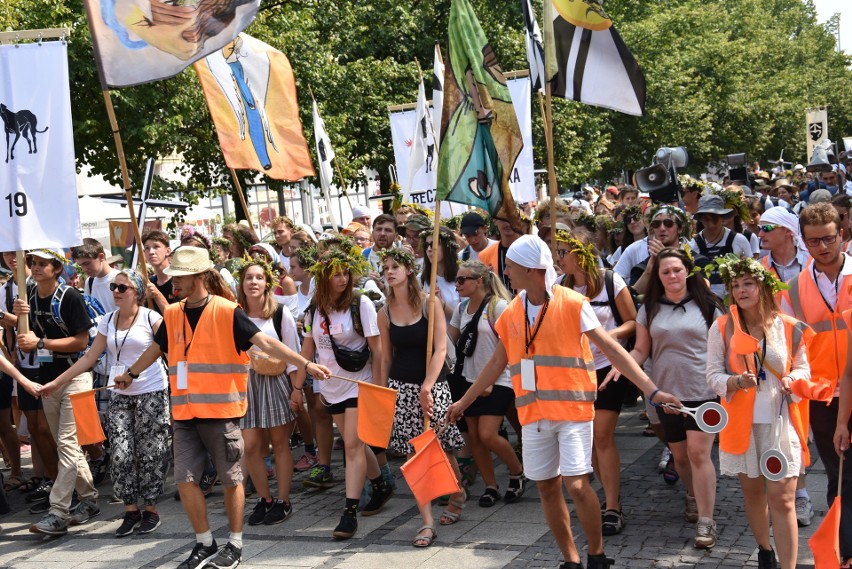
x: 675, y: 157
x: 661, y: 184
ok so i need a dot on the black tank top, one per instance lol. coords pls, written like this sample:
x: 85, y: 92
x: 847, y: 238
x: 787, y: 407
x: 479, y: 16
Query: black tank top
x: 409, y: 351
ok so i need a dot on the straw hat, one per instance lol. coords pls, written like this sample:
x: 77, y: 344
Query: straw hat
x: 188, y: 260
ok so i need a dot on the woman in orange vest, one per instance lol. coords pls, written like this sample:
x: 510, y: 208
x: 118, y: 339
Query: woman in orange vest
x: 580, y: 263
x: 671, y: 329
x: 756, y: 389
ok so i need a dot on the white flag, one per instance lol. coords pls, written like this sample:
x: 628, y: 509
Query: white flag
x: 535, y: 49
x: 816, y: 122
x: 423, y: 147
x: 38, y: 186
x: 437, y: 93
x: 325, y: 154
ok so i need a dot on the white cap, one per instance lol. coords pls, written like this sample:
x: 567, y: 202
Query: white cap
x: 798, y: 168
x: 361, y: 211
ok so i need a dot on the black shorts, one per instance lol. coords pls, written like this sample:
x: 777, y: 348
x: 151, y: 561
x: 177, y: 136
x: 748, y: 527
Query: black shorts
x: 611, y: 398
x: 6, y: 384
x: 496, y: 403
x: 27, y: 402
x: 341, y: 407
x: 676, y: 425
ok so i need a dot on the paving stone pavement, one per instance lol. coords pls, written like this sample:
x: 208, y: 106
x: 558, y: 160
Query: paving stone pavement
x: 512, y: 536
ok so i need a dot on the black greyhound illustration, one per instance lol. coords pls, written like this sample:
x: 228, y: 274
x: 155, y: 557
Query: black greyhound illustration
x: 21, y: 123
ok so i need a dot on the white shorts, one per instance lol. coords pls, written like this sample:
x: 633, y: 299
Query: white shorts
x: 554, y: 448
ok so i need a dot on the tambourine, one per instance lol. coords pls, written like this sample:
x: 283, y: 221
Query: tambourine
x: 773, y: 464
x: 711, y: 417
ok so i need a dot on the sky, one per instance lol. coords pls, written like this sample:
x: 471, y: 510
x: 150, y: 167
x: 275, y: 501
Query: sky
x: 827, y: 8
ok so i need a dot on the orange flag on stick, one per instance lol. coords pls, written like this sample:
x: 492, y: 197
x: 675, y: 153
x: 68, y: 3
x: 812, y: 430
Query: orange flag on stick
x: 429, y: 473
x: 423, y: 439
x: 89, y: 430
x: 825, y: 542
x: 375, y: 417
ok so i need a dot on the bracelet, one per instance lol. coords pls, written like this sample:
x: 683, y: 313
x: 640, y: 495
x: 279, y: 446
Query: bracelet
x: 307, y: 363
x: 651, y: 398
x: 299, y: 388
x: 739, y: 383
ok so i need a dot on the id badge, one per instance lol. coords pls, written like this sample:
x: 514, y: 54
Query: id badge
x: 44, y: 356
x: 115, y: 371
x: 527, y: 375
x: 335, y: 329
x: 182, y: 382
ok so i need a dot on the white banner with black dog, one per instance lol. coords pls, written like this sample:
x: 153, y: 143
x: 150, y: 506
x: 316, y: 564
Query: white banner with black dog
x: 38, y: 189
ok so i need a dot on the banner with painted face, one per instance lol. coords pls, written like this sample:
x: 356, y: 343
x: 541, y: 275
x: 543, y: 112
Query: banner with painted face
x: 38, y: 187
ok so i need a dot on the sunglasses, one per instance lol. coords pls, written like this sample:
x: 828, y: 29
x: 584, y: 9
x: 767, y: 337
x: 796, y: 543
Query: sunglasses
x: 122, y: 288
x: 668, y: 223
x: 768, y: 227
x: 461, y: 280
x: 827, y: 240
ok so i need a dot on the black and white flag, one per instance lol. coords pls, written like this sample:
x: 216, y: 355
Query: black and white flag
x: 535, y: 49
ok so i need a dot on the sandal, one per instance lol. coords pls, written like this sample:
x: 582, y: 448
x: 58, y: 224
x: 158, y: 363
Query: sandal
x: 13, y: 483
x: 517, y: 487
x: 30, y: 484
x: 448, y: 518
x: 422, y: 541
x: 612, y: 522
x: 489, y: 498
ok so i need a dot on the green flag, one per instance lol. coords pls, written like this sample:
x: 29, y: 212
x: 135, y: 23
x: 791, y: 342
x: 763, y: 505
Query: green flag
x: 480, y: 136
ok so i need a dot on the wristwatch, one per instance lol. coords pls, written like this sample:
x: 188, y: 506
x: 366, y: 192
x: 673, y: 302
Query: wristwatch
x: 132, y: 375
x: 40, y: 344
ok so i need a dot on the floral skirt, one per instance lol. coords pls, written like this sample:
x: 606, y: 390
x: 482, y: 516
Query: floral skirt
x: 408, y: 417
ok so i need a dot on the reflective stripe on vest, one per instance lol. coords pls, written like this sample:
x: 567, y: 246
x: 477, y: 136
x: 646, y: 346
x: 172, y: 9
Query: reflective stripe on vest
x: 227, y: 369
x: 207, y: 398
x: 557, y: 395
x: 555, y: 361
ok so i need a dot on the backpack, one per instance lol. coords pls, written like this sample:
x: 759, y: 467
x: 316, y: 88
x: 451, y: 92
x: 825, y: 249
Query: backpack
x: 354, y: 309
x: 94, y: 310
x: 609, y: 286
x: 377, y: 299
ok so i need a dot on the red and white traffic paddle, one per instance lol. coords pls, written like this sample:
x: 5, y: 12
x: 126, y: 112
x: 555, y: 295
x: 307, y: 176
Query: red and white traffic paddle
x: 773, y: 464
x: 711, y: 417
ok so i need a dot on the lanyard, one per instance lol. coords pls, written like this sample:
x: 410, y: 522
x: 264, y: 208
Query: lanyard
x: 186, y: 344
x: 115, y: 337
x: 836, y: 286
x: 529, y: 335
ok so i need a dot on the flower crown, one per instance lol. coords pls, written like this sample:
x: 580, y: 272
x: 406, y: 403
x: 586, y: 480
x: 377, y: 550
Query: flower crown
x: 735, y: 201
x: 733, y: 267
x: 339, y: 259
x: 242, y: 265
x: 587, y: 258
x: 400, y: 255
x: 688, y: 181
x: 445, y: 238
x: 221, y: 241
x: 586, y: 220
x: 633, y: 211
x: 307, y: 255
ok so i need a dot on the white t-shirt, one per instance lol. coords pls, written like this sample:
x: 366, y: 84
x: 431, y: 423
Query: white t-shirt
x: 486, y: 340
x: 284, y: 260
x: 474, y: 255
x: 340, y: 324
x: 289, y: 335
x: 634, y: 254
x: 604, y: 314
x: 98, y: 287
x: 303, y: 300
x: 125, y: 346
x: 588, y: 318
x: 447, y: 289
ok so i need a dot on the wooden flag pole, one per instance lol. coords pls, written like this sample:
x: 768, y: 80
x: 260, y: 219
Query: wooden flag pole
x: 547, y: 134
x: 23, y: 325
x: 242, y: 197
x: 433, y: 282
x: 551, y: 169
x: 125, y: 177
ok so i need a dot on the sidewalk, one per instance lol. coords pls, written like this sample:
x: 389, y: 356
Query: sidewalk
x: 514, y: 536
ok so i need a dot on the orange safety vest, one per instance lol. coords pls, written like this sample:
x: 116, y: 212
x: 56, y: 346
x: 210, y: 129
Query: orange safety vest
x: 566, y: 384
x: 827, y: 351
x: 217, y: 374
x: 734, y: 438
x: 488, y: 256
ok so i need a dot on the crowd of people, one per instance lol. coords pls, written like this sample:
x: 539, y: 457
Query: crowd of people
x: 232, y: 347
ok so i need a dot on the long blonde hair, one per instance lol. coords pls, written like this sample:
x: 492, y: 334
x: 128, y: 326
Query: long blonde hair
x: 270, y: 305
x: 494, y: 287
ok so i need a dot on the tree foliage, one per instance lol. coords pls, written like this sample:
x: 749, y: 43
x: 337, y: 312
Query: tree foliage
x: 723, y: 77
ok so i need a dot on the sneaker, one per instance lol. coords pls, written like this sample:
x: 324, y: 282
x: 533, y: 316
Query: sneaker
x: 705, y: 533
x: 664, y: 460
x: 804, y: 511
x: 279, y: 512
x: 208, y: 480
x: 320, y: 477
x: 40, y: 507
x: 599, y: 561
x: 99, y: 468
x: 84, y: 512
x: 51, y: 524
x: 200, y: 556
x: 131, y: 522
x: 150, y: 522
x: 766, y: 559
x: 346, y: 528
x: 260, y: 509
x: 691, y: 513
x: 377, y: 501
x: 40, y: 493
x: 305, y: 462
x: 296, y: 441
x: 228, y: 557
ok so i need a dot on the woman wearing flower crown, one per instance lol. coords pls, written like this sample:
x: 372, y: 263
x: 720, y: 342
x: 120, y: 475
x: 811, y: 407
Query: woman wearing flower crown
x: 671, y: 329
x: 756, y: 384
x: 579, y: 261
x: 423, y: 392
x: 332, y: 336
x: 270, y: 409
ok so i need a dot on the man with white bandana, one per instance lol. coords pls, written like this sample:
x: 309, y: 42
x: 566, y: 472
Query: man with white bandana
x: 780, y: 237
x: 544, y: 339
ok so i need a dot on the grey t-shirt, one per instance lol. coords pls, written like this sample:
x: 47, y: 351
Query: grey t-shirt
x: 679, y: 350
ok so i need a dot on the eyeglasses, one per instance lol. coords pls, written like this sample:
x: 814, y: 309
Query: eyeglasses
x: 461, y: 280
x: 122, y: 288
x: 668, y: 223
x: 768, y: 227
x: 561, y: 253
x: 827, y: 240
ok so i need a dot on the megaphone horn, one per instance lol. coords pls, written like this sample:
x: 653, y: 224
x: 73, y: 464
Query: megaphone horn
x: 652, y: 178
x: 711, y: 417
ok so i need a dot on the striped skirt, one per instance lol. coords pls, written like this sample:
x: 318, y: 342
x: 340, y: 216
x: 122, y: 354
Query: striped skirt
x: 268, y: 402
